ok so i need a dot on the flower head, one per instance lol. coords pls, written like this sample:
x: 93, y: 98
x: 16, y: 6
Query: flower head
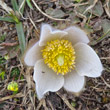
x: 62, y: 58
x: 12, y: 86
x: 59, y: 55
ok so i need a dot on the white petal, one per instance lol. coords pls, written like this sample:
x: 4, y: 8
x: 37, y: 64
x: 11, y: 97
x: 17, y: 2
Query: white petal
x: 33, y: 54
x: 76, y: 35
x: 46, y: 79
x: 87, y: 61
x: 48, y: 34
x: 73, y: 82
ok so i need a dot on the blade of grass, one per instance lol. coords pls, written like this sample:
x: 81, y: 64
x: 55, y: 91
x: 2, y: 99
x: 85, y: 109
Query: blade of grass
x: 29, y: 4
x: 14, y: 17
x: 15, y: 5
x: 100, y: 38
x: 103, y: 36
x: 21, y: 36
x: 6, y: 19
x: 5, y: 7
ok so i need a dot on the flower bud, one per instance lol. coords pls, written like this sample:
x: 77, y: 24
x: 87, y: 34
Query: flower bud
x: 12, y: 86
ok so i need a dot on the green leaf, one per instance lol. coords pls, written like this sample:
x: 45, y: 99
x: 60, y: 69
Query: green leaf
x: 77, y: 1
x: 15, y: 5
x: 14, y: 18
x: 2, y: 105
x: 57, y: 13
x: 8, y: 19
x: 106, y: 29
x: 82, y: 8
x: 2, y: 74
x: 105, y: 25
x: 15, y: 73
x: 21, y: 37
x: 29, y: 4
x: 103, y: 36
x: 2, y: 60
x: 88, y: 28
x: 22, y: 77
x: 98, y: 9
x: 2, y: 37
x: 73, y: 104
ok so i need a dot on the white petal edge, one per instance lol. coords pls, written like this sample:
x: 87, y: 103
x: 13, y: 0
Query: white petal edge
x: 48, y: 34
x: 33, y: 54
x: 76, y: 35
x: 74, y: 82
x: 46, y: 79
x: 87, y: 61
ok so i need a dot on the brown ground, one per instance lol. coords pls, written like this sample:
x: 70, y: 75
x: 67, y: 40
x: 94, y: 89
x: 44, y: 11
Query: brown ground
x: 91, y: 15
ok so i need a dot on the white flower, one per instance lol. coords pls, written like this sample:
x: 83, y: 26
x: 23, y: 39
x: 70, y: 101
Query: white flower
x: 62, y: 58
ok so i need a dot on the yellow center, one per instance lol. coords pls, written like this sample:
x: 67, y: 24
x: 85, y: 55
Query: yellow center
x: 59, y: 55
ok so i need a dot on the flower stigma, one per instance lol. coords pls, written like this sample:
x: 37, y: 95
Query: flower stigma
x: 60, y: 59
x: 59, y: 55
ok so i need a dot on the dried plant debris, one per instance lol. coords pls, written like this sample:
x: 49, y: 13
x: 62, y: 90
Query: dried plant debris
x: 96, y: 10
x: 91, y: 15
x: 106, y: 26
x: 55, y: 13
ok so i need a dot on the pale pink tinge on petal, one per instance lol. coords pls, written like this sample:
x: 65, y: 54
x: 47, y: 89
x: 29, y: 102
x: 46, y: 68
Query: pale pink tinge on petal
x: 46, y: 79
x: 33, y: 54
x: 48, y: 34
x: 74, y: 82
x: 76, y: 35
x: 87, y: 61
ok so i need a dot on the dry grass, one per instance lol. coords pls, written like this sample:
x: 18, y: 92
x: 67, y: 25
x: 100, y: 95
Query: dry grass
x: 96, y: 95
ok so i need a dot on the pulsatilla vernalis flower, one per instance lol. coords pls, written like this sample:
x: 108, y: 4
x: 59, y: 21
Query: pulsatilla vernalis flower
x: 62, y: 58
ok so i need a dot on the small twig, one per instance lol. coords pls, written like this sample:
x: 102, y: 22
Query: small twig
x: 81, y: 4
x: 74, y: 4
x: 28, y: 78
x: 13, y: 103
x: 32, y: 22
x: 50, y: 104
x: 5, y: 7
x: 66, y: 101
x: 48, y: 15
x: 32, y: 99
x: 26, y: 92
x: 107, y: 69
x: 20, y: 9
x: 40, y: 104
x: 81, y: 16
x: 11, y: 96
x: 44, y: 105
x: 8, y: 44
x: 39, y: 20
x: 91, y: 6
x: 108, y: 85
x: 105, y: 58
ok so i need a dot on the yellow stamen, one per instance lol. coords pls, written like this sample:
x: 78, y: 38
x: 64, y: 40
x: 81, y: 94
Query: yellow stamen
x: 59, y: 55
